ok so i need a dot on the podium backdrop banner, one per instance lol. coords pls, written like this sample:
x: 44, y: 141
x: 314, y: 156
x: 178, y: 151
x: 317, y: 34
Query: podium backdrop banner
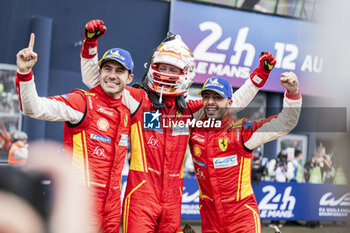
x: 227, y: 43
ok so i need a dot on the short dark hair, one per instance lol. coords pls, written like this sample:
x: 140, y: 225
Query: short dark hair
x: 297, y: 153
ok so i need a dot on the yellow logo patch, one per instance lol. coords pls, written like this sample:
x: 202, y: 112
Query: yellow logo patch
x: 223, y: 144
x: 236, y: 124
x: 126, y: 120
x: 197, y: 150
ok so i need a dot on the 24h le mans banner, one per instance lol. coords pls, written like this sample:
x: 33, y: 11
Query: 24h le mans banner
x: 284, y: 201
x: 227, y: 43
x: 281, y: 201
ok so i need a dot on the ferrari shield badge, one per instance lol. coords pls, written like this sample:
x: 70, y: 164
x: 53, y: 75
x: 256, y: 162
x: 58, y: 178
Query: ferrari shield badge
x: 223, y: 144
x: 126, y: 120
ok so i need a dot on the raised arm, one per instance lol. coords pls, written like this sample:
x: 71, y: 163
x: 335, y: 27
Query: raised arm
x: 88, y: 62
x: 246, y: 93
x: 54, y: 109
x: 265, y: 130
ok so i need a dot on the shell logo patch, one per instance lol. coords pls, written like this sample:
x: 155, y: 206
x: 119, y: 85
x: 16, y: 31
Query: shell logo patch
x: 197, y: 150
x: 102, y: 124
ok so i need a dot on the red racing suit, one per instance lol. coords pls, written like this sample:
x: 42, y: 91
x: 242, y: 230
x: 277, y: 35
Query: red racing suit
x: 222, y: 160
x: 96, y: 131
x: 152, y: 201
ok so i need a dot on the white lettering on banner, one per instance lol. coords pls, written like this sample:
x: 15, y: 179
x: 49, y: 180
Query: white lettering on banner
x: 190, y: 202
x: 312, y: 66
x: 337, y: 207
x: 211, y: 54
x: 328, y: 200
x: 273, y: 205
x: 190, y: 209
x: 187, y: 197
x: 201, y: 51
x: 230, y: 71
x: 241, y: 46
x: 201, y: 67
x: 333, y: 212
x: 286, y: 62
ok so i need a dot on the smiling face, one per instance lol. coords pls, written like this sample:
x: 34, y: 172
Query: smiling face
x: 215, y: 105
x: 113, y: 78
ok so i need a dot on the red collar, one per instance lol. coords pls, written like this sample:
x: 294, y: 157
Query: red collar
x: 106, y: 98
x: 169, y: 100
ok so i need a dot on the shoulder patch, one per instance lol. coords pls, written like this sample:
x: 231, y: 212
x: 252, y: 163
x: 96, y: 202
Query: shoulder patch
x: 65, y: 96
x: 236, y: 124
x: 248, y: 124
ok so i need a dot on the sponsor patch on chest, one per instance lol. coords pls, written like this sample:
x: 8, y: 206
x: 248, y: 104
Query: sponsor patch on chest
x: 223, y: 162
x: 105, y: 110
x: 102, y: 124
x: 197, y: 137
x: 100, y: 138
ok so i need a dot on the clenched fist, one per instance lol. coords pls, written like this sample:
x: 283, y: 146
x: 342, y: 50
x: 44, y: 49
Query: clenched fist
x: 26, y: 58
x: 94, y: 29
x: 266, y: 63
x: 290, y: 81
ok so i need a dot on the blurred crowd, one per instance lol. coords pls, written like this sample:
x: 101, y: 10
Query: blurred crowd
x: 323, y: 167
x: 8, y: 96
x: 290, y: 165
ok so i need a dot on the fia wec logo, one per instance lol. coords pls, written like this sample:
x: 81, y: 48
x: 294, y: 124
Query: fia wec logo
x: 328, y: 199
x: 223, y: 162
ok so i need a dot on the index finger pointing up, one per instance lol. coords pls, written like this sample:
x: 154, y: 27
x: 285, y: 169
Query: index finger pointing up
x: 31, y: 41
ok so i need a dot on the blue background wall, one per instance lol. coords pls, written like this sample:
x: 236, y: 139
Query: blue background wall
x: 136, y: 25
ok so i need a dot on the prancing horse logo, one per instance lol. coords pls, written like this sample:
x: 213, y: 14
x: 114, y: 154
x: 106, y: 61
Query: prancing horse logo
x: 223, y: 144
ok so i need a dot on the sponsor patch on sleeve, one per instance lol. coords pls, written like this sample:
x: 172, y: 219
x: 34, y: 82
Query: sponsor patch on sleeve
x: 248, y: 124
x: 123, y: 140
x: 65, y: 96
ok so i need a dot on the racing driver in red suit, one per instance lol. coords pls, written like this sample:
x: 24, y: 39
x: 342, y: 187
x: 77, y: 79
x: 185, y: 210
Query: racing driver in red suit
x: 222, y: 156
x: 96, y: 127
x: 152, y: 201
